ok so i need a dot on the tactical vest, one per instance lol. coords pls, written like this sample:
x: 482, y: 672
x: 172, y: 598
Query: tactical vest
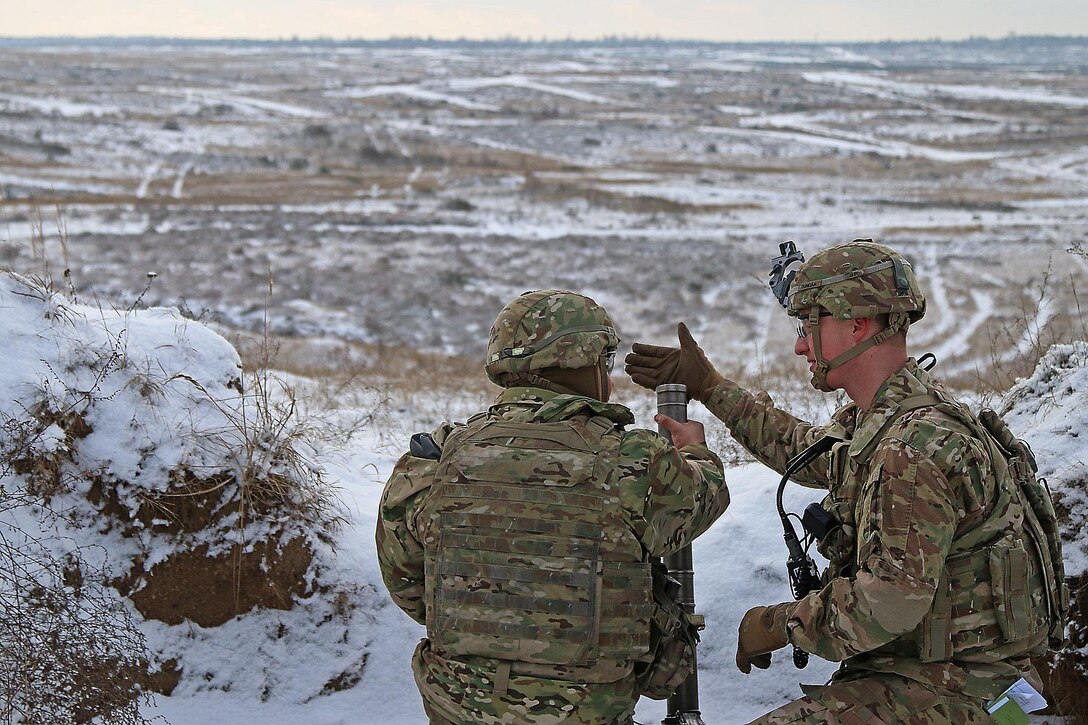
x: 1002, y: 592
x: 527, y: 556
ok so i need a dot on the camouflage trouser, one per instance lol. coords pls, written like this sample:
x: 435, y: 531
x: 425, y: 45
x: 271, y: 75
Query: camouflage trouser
x: 878, y: 698
x: 458, y: 693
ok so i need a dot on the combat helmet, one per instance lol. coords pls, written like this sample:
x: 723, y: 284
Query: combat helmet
x: 547, y: 329
x: 857, y: 279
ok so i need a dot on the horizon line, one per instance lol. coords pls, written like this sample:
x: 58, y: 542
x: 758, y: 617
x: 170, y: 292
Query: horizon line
x: 516, y: 40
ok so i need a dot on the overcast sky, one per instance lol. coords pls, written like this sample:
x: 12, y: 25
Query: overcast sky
x: 554, y: 19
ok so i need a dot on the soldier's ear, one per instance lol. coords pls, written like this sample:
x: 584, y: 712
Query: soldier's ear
x: 860, y: 327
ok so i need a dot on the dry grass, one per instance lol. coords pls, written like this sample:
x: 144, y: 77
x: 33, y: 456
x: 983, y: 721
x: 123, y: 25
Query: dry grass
x: 344, y: 366
x: 270, y: 445
x: 69, y: 651
x: 542, y: 189
x: 1016, y: 347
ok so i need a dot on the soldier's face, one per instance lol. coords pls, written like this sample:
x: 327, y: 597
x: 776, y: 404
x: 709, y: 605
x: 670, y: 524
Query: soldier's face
x: 836, y: 337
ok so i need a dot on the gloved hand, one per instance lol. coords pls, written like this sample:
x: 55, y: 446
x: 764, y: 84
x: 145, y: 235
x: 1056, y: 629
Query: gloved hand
x: 762, y: 631
x: 651, y: 365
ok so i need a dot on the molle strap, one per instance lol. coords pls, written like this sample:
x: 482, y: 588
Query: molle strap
x: 936, y: 644
x: 502, y: 677
x: 852, y: 274
x: 600, y: 425
x: 527, y: 350
x: 594, y: 639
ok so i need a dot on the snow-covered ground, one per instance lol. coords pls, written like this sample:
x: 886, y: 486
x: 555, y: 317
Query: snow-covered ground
x: 739, y: 564
x: 402, y: 195
x: 342, y: 655
x: 131, y: 376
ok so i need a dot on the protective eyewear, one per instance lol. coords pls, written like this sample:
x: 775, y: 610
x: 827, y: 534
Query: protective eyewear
x: 609, y: 360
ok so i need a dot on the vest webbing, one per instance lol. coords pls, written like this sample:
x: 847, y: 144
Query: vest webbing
x: 983, y: 597
x: 522, y: 560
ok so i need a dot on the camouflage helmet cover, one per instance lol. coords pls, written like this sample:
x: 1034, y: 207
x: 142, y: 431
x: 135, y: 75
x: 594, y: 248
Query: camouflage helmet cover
x: 857, y: 279
x: 548, y: 328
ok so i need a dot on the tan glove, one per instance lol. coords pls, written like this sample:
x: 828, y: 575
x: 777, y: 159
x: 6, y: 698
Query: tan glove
x: 651, y: 365
x: 762, y: 631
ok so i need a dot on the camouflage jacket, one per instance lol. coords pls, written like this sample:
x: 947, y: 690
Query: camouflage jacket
x: 662, y: 497
x: 908, y: 586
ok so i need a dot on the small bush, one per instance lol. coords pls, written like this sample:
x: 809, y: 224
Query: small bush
x: 458, y: 204
x: 69, y: 650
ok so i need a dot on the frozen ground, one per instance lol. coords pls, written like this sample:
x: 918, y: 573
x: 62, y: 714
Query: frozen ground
x: 403, y: 194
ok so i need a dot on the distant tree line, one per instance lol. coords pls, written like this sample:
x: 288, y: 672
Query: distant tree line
x: 1011, y: 41
x: 1051, y: 52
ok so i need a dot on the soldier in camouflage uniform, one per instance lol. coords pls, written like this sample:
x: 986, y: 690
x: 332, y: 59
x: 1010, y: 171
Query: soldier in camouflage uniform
x: 930, y: 601
x: 525, y: 539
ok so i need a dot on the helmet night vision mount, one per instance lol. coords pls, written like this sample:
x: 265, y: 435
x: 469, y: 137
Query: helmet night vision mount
x: 783, y: 270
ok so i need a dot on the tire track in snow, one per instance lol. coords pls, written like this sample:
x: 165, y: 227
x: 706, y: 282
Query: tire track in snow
x: 929, y: 268
x: 412, y: 177
x: 179, y: 182
x: 149, y: 176
x: 403, y: 150
x: 959, y: 344
x: 377, y: 145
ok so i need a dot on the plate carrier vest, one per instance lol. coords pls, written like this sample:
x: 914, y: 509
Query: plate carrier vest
x: 527, y: 556
x: 1002, y: 592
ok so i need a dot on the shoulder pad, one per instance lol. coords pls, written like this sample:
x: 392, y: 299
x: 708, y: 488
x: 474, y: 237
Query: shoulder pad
x: 565, y: 407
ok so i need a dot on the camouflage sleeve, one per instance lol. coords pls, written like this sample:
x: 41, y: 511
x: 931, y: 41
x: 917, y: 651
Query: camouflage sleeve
x: 772, y: 435
x: 907, y: 516
x: 400, y: 554
x: 675, y: 494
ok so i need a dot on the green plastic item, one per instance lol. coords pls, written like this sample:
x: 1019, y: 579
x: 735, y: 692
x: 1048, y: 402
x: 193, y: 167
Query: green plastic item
x: 1006, y: 711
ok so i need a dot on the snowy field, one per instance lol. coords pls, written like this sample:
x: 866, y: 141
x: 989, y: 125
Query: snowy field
x: 340, y: 656
x: 352, y: 197
x: 403, y: 194
x: 739, y: 563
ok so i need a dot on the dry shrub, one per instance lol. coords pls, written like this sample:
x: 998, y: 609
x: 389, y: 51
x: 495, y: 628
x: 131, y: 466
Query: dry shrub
x: 1016, y: 347
x: 269, y: 445
x: 271, y: 475
x: 385, y: 387
x: 1065, y: 673
x: 69, y: 650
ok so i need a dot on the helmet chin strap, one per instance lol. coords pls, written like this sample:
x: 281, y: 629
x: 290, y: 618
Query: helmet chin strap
x: 896, y: 322
x: 602, y: 381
